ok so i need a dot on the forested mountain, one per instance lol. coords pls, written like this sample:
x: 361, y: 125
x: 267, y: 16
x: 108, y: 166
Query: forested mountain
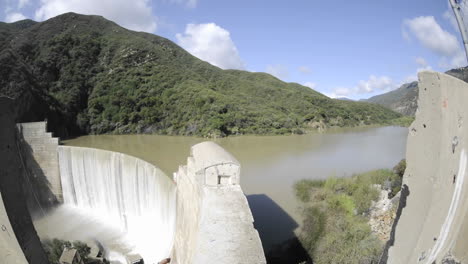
x: 88, y: 75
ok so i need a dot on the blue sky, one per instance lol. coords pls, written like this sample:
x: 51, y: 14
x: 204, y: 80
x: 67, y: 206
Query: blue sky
x: 353, y: 49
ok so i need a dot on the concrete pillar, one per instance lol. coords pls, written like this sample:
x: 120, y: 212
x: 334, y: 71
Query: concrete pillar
x: 214, y: 221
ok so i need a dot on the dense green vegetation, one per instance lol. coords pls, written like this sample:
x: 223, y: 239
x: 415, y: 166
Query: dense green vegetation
x: 335, y: 227
x: 404, y: 121
x: 96, y: 77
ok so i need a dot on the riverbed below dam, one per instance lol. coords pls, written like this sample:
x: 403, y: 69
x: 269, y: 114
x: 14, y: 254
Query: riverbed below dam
x: 270, y: 165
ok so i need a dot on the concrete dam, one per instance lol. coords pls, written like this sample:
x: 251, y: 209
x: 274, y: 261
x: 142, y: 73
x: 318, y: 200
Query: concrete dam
x: 198, y: 215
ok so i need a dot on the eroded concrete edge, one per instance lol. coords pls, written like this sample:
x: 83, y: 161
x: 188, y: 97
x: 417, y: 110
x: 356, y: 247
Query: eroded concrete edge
x: 429, y: 229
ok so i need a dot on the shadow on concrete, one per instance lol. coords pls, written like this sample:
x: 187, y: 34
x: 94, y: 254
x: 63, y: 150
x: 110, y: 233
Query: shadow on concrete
x: 38, y: 192
x: 276, y: 230
x: 11, y: 189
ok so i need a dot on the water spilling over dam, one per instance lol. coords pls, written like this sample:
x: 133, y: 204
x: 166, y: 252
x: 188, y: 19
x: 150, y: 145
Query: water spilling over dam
x: 125, y: 192
x: 130, y: 208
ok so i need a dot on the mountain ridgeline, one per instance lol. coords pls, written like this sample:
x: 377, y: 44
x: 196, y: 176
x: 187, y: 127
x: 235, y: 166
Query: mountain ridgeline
x: 404, y: 100
x: 87, y: 75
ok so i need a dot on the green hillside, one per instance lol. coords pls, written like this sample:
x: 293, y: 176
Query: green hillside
x: 89, y: 75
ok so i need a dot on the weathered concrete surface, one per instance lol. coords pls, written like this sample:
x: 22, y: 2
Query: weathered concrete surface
x: 10, y: 250
x: 226, y: 233
x: 434, y: 222
x: 11, y: 178
x: 39, y: 151
x: 214, y: 223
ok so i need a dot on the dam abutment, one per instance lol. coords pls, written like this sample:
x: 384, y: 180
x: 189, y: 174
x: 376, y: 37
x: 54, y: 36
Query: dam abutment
x: 19, y: 242
x: 433, y: 227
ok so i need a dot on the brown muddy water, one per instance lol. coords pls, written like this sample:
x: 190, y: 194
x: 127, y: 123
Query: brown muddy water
x: 272, y: 164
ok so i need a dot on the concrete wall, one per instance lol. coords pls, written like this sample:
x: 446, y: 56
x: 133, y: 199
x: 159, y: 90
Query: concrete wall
x: 433, y: 225
x: 214, y: 223
x: 39, y: 151
x: 18, y: 238
x: 10, y: 250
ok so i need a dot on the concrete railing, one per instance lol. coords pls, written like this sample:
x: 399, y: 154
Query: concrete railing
x: 433, y: 225
x: 214, y: 222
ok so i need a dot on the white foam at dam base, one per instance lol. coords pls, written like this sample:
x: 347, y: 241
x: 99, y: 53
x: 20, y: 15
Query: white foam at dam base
x: 124, y: 192
x: 81, y: 226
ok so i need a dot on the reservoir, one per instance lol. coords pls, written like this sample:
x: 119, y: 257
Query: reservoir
x: 270, y: 165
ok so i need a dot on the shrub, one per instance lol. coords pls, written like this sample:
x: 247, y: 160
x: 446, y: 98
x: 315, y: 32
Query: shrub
x: 335, y: 226
x: 303, y: 188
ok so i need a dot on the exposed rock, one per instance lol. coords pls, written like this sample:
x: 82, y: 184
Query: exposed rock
x: 382, y: 214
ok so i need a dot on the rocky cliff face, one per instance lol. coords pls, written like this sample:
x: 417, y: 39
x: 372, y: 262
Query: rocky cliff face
x: 404, y: 100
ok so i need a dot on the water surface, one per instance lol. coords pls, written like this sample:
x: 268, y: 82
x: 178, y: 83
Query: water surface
x: 272, y: 164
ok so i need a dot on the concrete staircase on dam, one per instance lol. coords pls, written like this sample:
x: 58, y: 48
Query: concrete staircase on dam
x: 39, y: 152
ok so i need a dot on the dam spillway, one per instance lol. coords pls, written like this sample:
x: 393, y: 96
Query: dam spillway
x: 199, y: 215
x: 125, y: 192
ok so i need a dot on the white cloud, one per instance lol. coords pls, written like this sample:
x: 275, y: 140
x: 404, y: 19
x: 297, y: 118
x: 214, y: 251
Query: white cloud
x: 423, y: 65
x: 431, y: 35
x: 457, y: 61
x: 409, y: 79
x: 421, y: 62
x: 372, y: 85
x: 414, y: 77
x: 304, y: 70
x: 311, y: 85
x: 211, y: 43
x: 448, y: 14
x: 278, y: 70
x: 22, y: 3
x: 131, y: 14
x: 13, y: 17
x: 188, y: 3
x: 340, y: 92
